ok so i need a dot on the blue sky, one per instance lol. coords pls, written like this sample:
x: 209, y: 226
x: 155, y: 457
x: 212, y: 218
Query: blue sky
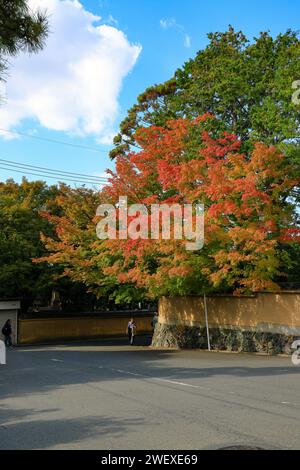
x: 93, y: 77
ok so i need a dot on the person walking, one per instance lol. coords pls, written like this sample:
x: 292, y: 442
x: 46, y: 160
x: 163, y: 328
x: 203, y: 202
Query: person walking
x: 131, y: 331
x: 154, y: 321
x: 7, y: 333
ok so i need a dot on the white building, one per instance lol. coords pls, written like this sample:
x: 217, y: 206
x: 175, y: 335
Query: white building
x: 9, y: 310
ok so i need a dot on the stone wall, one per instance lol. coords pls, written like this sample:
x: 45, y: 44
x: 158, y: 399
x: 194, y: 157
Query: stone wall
x: 265, y: 322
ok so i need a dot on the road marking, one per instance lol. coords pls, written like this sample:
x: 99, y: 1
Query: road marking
x: 174, y: 382
x: 154, y: 378
x: 137, y: 375
x: 57, y: 360
x: 121, y: 371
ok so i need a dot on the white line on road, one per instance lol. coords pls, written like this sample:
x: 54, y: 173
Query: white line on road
x: 121, y: 371
x: 57, y: 360
x: 137, y: 375
x: 174, y: 382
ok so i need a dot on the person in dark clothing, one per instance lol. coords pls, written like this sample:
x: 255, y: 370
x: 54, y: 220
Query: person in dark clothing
x: 154, y: 321
x: 7, y: 333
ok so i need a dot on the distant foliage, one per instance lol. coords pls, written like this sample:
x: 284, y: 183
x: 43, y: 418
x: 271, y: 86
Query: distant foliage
x: 20, y: 229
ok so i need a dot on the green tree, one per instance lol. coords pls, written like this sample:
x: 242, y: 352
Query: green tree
x: 20, y: 227
x: 247, y: 85
x: 22, y: 220
x: 21, y: 29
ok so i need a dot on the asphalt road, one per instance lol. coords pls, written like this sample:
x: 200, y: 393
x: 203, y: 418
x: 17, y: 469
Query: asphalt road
x: 108, y: 395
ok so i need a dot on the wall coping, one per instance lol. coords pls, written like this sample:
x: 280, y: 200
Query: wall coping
x: 10, y: 304
x: 232, y: 296
x: 103, y: 316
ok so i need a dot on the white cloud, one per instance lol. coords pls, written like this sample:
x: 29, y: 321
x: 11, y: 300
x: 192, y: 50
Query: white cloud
x: 112, y: 20
x: 167, y: 23
x: 187, y: 40
x: 172, y: 23
x: 74, y: 83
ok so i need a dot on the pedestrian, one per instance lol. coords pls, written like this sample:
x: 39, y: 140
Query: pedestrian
x: 131, y: 331
x: 7, y: 333
x: 154, y: 321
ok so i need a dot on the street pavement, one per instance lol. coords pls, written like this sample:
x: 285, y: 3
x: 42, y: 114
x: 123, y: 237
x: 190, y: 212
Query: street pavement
x: 109, y: 395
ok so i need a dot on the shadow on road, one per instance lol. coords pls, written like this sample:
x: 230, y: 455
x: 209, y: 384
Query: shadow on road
x: 44, y: 434
x: 43, y: 368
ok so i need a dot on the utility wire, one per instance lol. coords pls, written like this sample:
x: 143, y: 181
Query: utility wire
x: 49, y: 173
x: 25, y: 166
x: 74, y: 180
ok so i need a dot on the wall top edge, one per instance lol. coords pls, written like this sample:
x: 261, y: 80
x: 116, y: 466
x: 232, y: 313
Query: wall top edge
x: 248, y: 296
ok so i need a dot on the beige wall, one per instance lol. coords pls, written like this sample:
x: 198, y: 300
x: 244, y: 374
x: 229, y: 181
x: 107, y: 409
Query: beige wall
x: 52, y: 329
x: 270, y: 312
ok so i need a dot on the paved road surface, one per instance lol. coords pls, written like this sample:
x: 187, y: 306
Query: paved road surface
x: 107, y: 395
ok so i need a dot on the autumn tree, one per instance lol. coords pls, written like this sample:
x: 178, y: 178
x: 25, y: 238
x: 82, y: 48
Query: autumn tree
x: 249, y: 215
x: 78, y: 253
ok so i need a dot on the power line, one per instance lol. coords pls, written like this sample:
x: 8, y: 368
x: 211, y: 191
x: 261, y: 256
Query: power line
x: 74, y: 180
x: 11, y: 163
x: 52, y: 173
x: 16, y: 167
x: 54, y: 141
